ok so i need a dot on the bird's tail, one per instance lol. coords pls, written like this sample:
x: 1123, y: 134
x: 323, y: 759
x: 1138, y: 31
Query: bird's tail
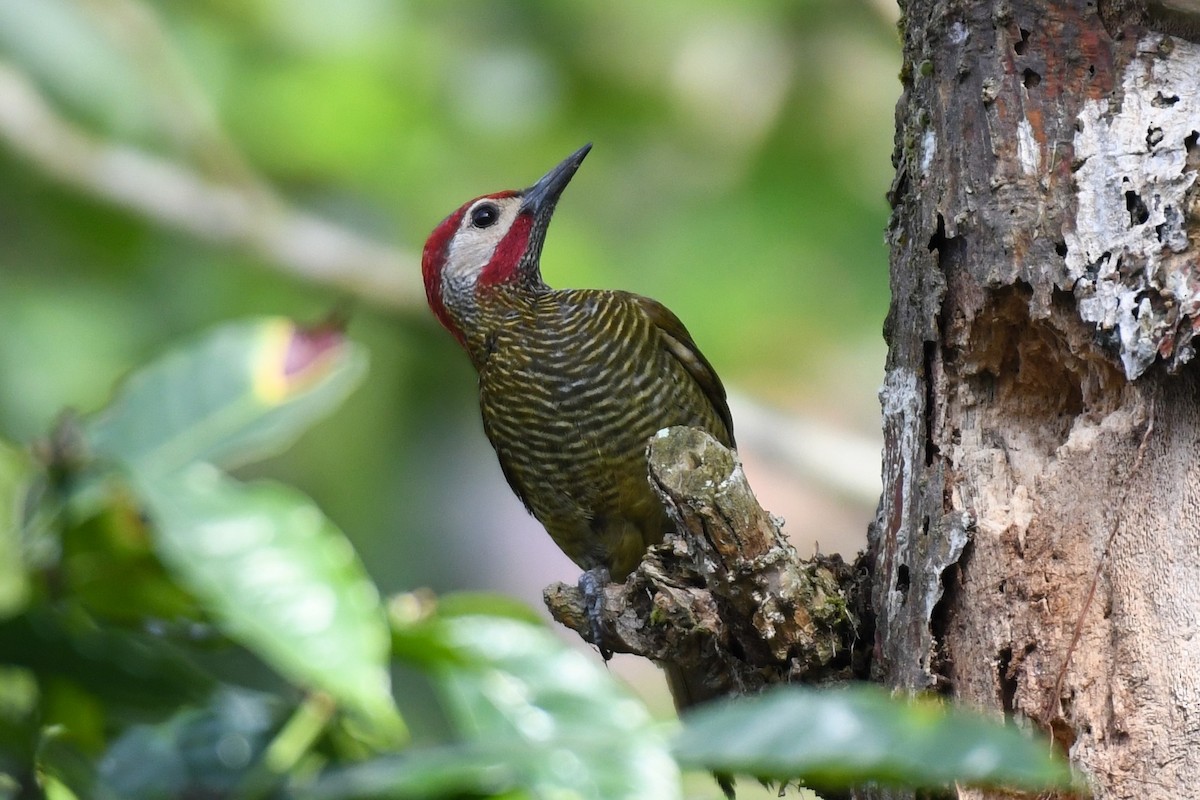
x: 689, y: 688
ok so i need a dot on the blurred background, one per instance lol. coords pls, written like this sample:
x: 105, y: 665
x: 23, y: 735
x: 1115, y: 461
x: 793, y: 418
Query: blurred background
x: 167, y: 165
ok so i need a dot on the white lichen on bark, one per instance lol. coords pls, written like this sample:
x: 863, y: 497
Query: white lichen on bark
x: 1133, y: 182
x: 1029, y: 153
x: 903, y: 407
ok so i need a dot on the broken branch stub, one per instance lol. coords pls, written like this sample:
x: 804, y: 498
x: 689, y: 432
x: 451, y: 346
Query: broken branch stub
x: 726, y: 599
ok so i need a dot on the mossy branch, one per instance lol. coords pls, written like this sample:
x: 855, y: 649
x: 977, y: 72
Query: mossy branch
x: 726, y: 599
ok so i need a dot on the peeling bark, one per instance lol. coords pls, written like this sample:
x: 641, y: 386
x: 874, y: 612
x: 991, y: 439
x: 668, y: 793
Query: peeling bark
x: 1035, y: 546
x: 1131, y: 253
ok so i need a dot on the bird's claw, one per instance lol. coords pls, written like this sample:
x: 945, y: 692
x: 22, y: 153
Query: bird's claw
x: 591, y: 586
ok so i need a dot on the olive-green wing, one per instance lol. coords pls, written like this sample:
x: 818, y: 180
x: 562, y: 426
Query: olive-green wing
x: 680, y: 344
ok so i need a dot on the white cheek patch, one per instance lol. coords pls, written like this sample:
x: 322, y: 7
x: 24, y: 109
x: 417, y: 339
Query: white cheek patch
x: 472, y: 248
x: 468, y: 255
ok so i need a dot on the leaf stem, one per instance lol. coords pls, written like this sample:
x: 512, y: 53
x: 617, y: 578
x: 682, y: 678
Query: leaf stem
x: 294, y: 739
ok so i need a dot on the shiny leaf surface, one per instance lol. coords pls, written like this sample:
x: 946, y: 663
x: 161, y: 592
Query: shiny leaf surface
x: 845, y: 736
x: 547, y: 717
x: 280, y: 578
x: 427, y: 773
x: 242, y: 391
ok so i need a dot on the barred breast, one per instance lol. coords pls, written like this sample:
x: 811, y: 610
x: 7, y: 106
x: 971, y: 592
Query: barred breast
x: 572, y: 386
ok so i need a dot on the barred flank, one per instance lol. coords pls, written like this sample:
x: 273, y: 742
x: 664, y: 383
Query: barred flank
x: 572, y: 386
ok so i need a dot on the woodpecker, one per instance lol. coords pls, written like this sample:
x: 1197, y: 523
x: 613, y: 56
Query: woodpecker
x: 573, y: 383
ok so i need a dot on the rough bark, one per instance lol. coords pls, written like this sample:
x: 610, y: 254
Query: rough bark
x: 1035, y: 549
x: 727, y: 602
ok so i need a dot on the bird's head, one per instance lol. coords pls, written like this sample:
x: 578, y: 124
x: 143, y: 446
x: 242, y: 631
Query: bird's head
x: 492, y: 240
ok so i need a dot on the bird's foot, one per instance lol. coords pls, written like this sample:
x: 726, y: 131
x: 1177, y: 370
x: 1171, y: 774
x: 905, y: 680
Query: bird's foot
x: 591, y: 585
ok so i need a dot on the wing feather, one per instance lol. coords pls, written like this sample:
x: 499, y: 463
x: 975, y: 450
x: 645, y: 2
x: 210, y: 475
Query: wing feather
x: 680, y: 344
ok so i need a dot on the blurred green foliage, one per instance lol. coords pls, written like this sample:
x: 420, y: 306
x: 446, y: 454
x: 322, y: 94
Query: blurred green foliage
x: 133, y: 683
x: 742, y: 154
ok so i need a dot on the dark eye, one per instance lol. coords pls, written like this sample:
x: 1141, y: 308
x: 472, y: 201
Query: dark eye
x: 484, y: 216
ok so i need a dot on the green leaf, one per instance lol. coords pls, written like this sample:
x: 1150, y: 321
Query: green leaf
x: 491, y: 604
x: 60, y: 761
x: 280, y: 578
x: 108, y: 564
x: 418, y: 623
x: 243, y: 391
x: 850, y: 736
x: 197, y: 752
x: 426, y: 773
x: 16, y: 472
x: 552, y: 714
x: 20, y: 719
x: 121, y: 667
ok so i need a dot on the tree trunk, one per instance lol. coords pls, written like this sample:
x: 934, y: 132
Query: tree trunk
x: 1037, y: 545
